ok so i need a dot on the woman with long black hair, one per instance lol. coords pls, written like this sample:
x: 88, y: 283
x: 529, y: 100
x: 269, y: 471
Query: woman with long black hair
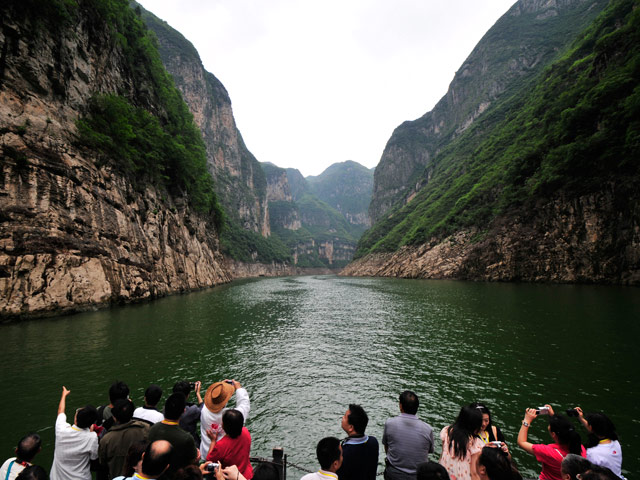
x: 566, y: 440
x: 460, y: 445
x: 603, y: 447
x: 495, y: 464
x: 488, y: 432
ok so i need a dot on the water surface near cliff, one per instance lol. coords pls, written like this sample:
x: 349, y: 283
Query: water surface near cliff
x: 305, y: 347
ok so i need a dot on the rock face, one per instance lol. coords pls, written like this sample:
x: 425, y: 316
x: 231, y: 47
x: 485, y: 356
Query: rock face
x: 74, y: 233
x: 240, y: 182
x: 567, y: 240
x: 523, y: 41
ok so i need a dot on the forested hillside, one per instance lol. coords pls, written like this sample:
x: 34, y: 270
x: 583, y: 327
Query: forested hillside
x: 558, y: 161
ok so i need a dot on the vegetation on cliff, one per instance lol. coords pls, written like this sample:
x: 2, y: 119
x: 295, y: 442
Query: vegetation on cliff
x: 575, y: 129
x: 518, y: 47
x: 145, y: 129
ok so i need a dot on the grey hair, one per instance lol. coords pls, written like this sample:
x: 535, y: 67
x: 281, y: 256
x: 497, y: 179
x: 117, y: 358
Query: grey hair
x: 574, y: 464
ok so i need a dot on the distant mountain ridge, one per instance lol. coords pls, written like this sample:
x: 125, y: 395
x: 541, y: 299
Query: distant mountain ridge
x: 347, y: 187
x: 318, y: 234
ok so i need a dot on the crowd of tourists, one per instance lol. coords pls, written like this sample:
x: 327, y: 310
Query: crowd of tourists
x: 206, y: 439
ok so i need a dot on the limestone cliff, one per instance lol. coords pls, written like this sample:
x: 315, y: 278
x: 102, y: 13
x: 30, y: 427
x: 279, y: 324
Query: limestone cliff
x: 74, y: 232
x: 240, y: 182
x: 565, y: 240
x: 517, y: 47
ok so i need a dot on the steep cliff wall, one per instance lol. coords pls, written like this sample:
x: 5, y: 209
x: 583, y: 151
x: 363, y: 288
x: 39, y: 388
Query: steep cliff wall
x: 74, y: 232
x: 566, y: 240
x: 517, y: 47
x: 240, y: 182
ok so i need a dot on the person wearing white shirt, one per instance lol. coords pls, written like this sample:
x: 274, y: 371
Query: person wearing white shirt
x: 215, y: 403
x: 329, y: 453
x: 149, y: 413
x: 27, y: 448
x: 76, y: 445
x: 603, y: 447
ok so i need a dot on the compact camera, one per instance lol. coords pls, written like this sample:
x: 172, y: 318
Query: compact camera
x: 212, y: 467
x: 542, y: 411
x: 572, y: 412
x: 192, y: 385
x: 497, y: 443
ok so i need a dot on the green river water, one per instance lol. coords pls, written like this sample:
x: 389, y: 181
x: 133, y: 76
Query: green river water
x: 306, y: 347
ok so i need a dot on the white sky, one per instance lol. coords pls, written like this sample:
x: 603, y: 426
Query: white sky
x: 318, y: 82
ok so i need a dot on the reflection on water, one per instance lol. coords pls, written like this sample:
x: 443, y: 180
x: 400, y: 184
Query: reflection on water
x: 306, y: 347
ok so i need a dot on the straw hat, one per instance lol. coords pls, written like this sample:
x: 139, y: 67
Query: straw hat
x: 217, y: 396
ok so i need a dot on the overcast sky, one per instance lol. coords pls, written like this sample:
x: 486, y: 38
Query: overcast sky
x: 318, y: 82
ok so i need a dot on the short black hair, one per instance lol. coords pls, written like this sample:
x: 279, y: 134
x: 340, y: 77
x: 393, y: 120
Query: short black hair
x: 86, y: 416
x: 182, y: 387
x: 118, y: 390
x: 431, y: 471
x: 328, y: 451
x: 155, y: 460
x: 28, y: 446
x: 33, y: 472
x: 232, y: 422
x: 122, y: 410
x: 409, y: 402
x: 152, y: 395
x: 358, y: 418
x: 266, y: 471
x: 174, y: 406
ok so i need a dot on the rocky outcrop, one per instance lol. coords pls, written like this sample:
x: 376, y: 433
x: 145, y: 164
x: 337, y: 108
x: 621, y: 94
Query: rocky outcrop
x: 565, y: 240
x: 74, y: 233
x: 517, y: 47
x: 252, y: 270
x: 240, y: 182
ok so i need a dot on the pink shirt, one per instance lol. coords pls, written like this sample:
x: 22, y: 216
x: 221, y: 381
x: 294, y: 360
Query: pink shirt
x: 234, y: 451
x: 551, y: 457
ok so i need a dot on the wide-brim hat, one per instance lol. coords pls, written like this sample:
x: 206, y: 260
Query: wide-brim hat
x: 217, y: 396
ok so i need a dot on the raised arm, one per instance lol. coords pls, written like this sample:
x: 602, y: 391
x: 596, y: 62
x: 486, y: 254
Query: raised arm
x: 242, y: 400
x: 198, y: 387
x: 63, y: 400
x: 529, y: 416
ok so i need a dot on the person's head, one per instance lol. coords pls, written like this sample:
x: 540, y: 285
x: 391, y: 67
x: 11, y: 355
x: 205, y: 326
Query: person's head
x: 152, y: 395
x: 597, y: 472
x: 174, y: 406
x: 409, y: 402
x: 572, y: 465
x: 329, y: 453
x: 266, y: 471
x: 33, y: 472
x: 155, y: 458
x: 133, y: 460
x: 563, y: 432
x: 122, y: 411
x: 486, y: 414
x: 355, y: 420
x: 232, y: 422
x: 467, y: 424
x: 28, y: 447
x: 182, y: 387
x: 190, y: 472
x: 86, y: 416
x: 494, y: 464
x: 431, y: 471
x: 118, y: 390
x: 600, y: 425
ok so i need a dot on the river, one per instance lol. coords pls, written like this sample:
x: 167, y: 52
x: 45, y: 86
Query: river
x: 306, y: 347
